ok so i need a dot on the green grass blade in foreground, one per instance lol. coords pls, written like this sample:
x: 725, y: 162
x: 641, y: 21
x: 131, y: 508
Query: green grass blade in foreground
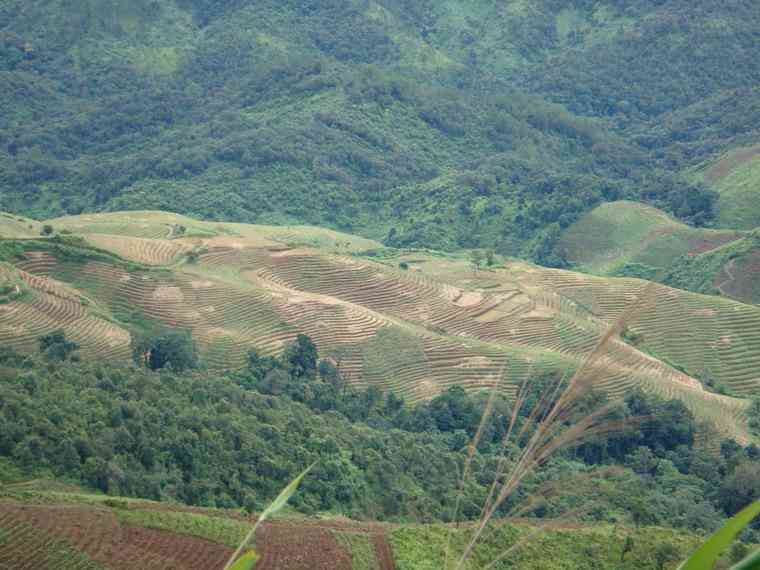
x: 246, y: 562
x: 752, y: 562
x: 273, y: 507
x: 706, y: 555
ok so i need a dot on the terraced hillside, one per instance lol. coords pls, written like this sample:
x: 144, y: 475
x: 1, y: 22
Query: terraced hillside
x: 236, y: 287
x: 73, y: 530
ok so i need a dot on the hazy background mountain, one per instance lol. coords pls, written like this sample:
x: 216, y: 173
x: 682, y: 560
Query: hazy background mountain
x: 422, y: 123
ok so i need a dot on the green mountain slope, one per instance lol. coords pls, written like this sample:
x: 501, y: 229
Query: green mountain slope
x: 628, y: 239
x: 136, y: 454
x: 616, y: 236
x: 419, y: 123
x: 736, y: 177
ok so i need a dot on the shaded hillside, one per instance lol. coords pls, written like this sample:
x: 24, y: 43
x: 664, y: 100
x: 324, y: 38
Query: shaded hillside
x: 423, y: 124
x: 732, y: 270
x: 107, y: 278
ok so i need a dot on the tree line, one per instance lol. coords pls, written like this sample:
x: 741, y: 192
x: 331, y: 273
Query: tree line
x: 234, y: 439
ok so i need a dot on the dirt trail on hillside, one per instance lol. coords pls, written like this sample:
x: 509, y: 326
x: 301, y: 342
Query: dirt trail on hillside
x: 729, y: 269
x: 383, y: 551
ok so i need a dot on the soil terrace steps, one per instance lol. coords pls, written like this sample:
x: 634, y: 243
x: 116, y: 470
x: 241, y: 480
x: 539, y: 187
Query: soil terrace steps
x: 52, y: 305
x: 237, y: 296
x: 715, y: 338
x: 141, y: 250
x: 26, y: 547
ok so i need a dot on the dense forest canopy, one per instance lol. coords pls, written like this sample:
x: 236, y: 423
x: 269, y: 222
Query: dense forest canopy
x: 440, y: 124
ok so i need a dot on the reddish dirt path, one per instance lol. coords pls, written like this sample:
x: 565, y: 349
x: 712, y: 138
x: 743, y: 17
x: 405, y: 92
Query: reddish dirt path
x: 728, y: 269
x: 708, y: 242
x: 383, y: 551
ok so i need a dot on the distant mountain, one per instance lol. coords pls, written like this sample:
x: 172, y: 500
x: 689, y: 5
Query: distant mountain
x: 420, y: 123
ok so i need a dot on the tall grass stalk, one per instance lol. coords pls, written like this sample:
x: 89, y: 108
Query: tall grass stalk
x: 554, y: 427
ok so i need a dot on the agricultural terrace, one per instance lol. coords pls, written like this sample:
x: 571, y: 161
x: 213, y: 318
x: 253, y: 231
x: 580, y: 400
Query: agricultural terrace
x: 43, y: 527
x: 444, y: 322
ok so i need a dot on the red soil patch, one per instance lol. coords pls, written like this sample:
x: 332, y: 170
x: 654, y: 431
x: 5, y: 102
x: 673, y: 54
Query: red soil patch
x: 723, y: 167
x: 705, y: 244
x: 383, y: 552
x: 300, y: 547
x: 98, y: 534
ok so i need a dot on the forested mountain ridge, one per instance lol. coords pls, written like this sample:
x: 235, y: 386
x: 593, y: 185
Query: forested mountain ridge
x: 420, y: 123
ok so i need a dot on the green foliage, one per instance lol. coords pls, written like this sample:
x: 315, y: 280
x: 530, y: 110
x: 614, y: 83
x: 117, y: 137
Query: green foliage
x: 220, y: 440
x: 753, y: 414
x: 217, y: 529
x: 719, y: 271
x: 204, y: 440
x: 637, y: 271
x: 65, y: 248
x: 476, y: 258
x: 520, y: 546
x: 173, y: 349
x: 249, y: 557
x: 301, y: 357
x: 741, y: 487
x: 737, y: 190
x: 246, y: 562
x: 752, y: 562
x: 9, y: 473
x: 12, y: 287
